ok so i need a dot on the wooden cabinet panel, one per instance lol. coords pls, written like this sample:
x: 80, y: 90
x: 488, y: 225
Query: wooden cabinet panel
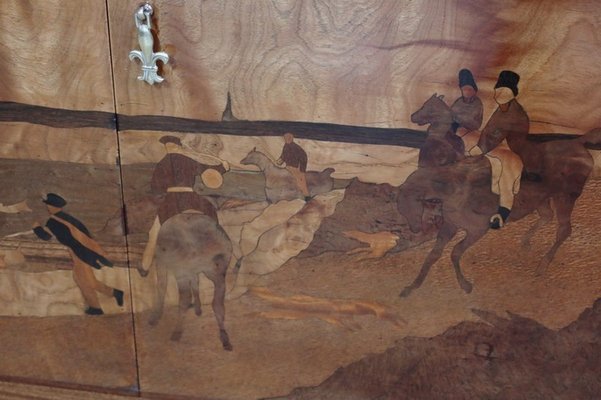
x: 322, y: 290
x: 55, y: 62
x: 313, y: 283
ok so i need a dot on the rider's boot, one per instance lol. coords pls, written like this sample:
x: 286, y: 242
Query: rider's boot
x: 498, y: 220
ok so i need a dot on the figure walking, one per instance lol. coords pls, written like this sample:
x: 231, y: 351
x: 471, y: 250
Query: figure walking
x: 85, y: 252
x: 174, y: 178
x: 295, y: 159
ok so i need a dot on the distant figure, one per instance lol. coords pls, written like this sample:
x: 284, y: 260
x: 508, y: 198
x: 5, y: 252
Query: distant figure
x: 509, y: 119
x: 295, y: 159
x: 84, y: 251
x: 174, y: 178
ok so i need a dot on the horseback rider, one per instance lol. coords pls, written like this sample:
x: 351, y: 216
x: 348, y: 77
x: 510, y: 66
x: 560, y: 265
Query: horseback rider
x: 296, y: 163
x: 508, y: 118
x: 85, y: 252
x: 174, y: 178
x: 467, y: 110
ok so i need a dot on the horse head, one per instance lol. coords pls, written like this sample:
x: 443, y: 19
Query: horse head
x: 433, y: 110
x: 255, y: 157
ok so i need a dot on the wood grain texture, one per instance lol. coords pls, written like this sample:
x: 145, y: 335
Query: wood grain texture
x: 38, y: 142
x: 56, y: 55
x: 363, y: 62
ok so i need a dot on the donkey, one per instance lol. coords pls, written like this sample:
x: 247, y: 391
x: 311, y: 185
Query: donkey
x: 281, y: 185
x: 442, y: 146
x: 190, y: 244
x: 463, y: 190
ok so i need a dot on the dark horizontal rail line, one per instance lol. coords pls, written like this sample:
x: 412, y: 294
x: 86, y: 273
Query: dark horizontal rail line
x: 56, y: 117
x: 304, y: 130
x: 62, y: 118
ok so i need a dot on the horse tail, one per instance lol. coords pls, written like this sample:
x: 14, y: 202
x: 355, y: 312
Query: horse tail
x: 591, y: 139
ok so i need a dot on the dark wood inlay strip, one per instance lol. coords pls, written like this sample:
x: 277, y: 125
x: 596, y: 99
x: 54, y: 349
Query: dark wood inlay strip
x: 62, y: 118
x: 56, y: 117
x: 305, y: 130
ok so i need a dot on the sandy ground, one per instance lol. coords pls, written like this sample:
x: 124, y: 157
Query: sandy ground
x: 273, y: 356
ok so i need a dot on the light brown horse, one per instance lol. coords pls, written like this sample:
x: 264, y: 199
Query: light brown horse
x: 464, y: 191
x: 279, y: 182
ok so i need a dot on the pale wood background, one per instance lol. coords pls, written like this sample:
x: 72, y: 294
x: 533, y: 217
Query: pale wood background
x: 363, y: 62
x: 56, y: 53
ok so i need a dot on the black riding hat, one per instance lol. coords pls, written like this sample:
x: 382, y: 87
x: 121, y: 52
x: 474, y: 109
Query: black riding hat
x: 55, y: 200
x: 170, y: 139
x: 508, y: 79
x: 466, y: 78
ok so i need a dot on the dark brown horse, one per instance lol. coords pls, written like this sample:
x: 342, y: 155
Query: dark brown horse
x: 464, y: 191
x: 442, y: 146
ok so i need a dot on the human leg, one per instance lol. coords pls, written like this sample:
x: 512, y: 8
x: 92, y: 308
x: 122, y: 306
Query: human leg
x: 300, y: 178
x: 85, y: 280
x: 150, y: 248
x: 507, y: 180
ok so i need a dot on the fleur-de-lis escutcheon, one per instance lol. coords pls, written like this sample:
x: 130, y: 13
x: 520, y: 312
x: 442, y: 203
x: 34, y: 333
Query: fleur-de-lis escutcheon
x: 146, y: 55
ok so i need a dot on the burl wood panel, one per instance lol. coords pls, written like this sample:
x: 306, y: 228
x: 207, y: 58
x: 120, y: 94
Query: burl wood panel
x: 365, y: 63
x: 55, y: 54
x: 313, y: 284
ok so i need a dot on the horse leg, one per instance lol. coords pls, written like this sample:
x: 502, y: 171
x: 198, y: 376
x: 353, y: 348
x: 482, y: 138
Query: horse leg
x: 159, y: 300
x: 445, y: 234
x: 563, y: 208
x: 196, y: 291
x: 218, y: 278
x: 185, y: 299
x: 545, y: 213
x: 470, y: 238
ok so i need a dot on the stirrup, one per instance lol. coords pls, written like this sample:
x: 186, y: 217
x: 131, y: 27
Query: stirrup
x: 496, y: 221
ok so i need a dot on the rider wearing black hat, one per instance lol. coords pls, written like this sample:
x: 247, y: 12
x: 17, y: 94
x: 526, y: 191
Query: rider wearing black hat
x: 509, y: 119
x: 468, y: 109
x: 85, y: 252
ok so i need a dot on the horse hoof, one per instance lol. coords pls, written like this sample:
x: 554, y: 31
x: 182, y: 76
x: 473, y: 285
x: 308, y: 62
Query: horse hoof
x: 467, y: 287
x: 225, y: 340
x: 406, y: 292
x: 176, y: 336
x: 153, y: 321
x: 198, y: 311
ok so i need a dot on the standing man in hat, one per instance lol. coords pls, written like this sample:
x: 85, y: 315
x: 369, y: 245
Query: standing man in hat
x: 85, y: 252
x: 509, y: 117
x: 295, y: 159
x: 174, y: 178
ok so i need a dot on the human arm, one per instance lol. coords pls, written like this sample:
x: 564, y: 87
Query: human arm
x: 40, y: 232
